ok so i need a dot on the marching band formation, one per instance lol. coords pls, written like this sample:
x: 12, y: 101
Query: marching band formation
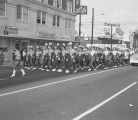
x: 62, y: 58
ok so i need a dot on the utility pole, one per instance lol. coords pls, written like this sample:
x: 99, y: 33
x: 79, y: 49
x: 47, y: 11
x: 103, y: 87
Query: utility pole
x: 79, y: 27
x: 111, y: 36
x: 92, y: 25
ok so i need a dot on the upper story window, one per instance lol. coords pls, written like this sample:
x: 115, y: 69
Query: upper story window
x: 41, y: 17
x: 55, y: 3
x: 56, y: 20
x: 64, y: 4
x: 59, y: 3
x: 40, y: 1
x: 2, y: 8
x: 50, y: 2
x: 69, y: 6
x: 68, y: 23
x: 22, y: 13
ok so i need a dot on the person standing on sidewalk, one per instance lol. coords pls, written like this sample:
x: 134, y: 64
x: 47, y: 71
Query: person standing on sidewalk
x: 16, y: 63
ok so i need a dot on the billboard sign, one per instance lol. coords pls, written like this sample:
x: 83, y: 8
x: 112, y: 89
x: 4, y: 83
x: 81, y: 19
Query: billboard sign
x: 81, y: 10
x: 110, y: 24
x: 119, y: 31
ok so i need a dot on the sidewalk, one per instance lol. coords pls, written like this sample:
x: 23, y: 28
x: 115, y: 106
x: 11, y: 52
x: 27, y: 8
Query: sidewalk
x: 4, y: 67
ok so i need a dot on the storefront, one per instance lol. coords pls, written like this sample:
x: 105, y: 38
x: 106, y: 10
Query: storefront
x: 9, y: 42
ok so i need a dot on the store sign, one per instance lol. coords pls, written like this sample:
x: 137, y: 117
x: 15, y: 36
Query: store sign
x: 119, y: 31
x: 8, y: 30
x: 110, y: 24
x: 109, y: 41
x: 46, y: 35
x: 81, y: 10
x: 62, y: 38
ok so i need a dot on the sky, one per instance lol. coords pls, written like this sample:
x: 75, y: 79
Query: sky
x: 124, y: 12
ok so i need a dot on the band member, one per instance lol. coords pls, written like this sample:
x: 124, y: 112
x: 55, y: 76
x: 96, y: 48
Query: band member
x: 63, y: 52
x: 92, y: 59
x: 126, y: 56
x: 51, y: 57
x: 67, y: 59
x: 114, y: 52
x: 45, y: 57
x: 24, y: 55
x: 59, y: 58
x: 106, y: 58
x: 16, y: 63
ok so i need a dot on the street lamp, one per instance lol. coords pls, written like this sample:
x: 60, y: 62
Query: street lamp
x: 93, y: 23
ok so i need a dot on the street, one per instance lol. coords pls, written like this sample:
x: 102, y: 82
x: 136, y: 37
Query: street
x: 97, y: 95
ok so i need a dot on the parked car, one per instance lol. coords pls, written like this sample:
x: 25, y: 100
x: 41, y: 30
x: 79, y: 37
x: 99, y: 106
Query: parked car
x: 134, y: 59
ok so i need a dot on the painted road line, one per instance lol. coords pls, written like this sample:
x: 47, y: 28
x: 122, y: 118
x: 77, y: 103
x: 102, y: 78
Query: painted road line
x: 53, y: 83
x: 3, y: 79
x: 104, y: 102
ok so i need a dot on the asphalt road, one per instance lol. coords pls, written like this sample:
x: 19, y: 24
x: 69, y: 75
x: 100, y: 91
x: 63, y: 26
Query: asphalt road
x: 98, y: 95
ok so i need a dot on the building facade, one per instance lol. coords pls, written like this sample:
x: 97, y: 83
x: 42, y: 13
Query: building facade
x: 34, y: 22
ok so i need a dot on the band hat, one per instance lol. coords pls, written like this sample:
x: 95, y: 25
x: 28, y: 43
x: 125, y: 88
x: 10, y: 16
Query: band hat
x: 63, y: 44
x: 46, y: 44
x: 50, y: 43
x: 58, y: 44
x: 88, y: 45
x: 70, y: 43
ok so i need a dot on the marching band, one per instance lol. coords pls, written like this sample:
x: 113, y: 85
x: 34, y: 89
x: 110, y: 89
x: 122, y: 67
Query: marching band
x: 66, y: 58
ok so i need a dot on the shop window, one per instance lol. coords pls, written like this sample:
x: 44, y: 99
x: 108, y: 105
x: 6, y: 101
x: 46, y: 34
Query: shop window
x: 41, y: 17
x: 2, y: 7
x: 22, y: 12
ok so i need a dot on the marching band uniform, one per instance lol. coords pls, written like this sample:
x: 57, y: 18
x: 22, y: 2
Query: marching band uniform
x: 92, y: 59
x: 24, y: 54
x: 71, y: 58
x: 106, y: 58
x: 114, y: 52
x: 45, y: 58
x: 16, y: 63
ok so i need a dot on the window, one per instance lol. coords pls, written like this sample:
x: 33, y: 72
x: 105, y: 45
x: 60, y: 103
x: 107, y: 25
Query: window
x: 64, y: 4
x: 50, y: 2
x: 41, y: 17
x: 22, y: 12
x: 2, y: 7
x: 19, y: 12
x: 55, y: 3
x: 68, y: 23
x: 59, y: 3
x: 41, y: 1
x: 56, y: 20
x: 69, y: 6
x: 25, y: 13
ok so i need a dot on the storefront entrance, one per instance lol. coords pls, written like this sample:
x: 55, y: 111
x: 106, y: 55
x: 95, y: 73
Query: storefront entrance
x: 21, y: 44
